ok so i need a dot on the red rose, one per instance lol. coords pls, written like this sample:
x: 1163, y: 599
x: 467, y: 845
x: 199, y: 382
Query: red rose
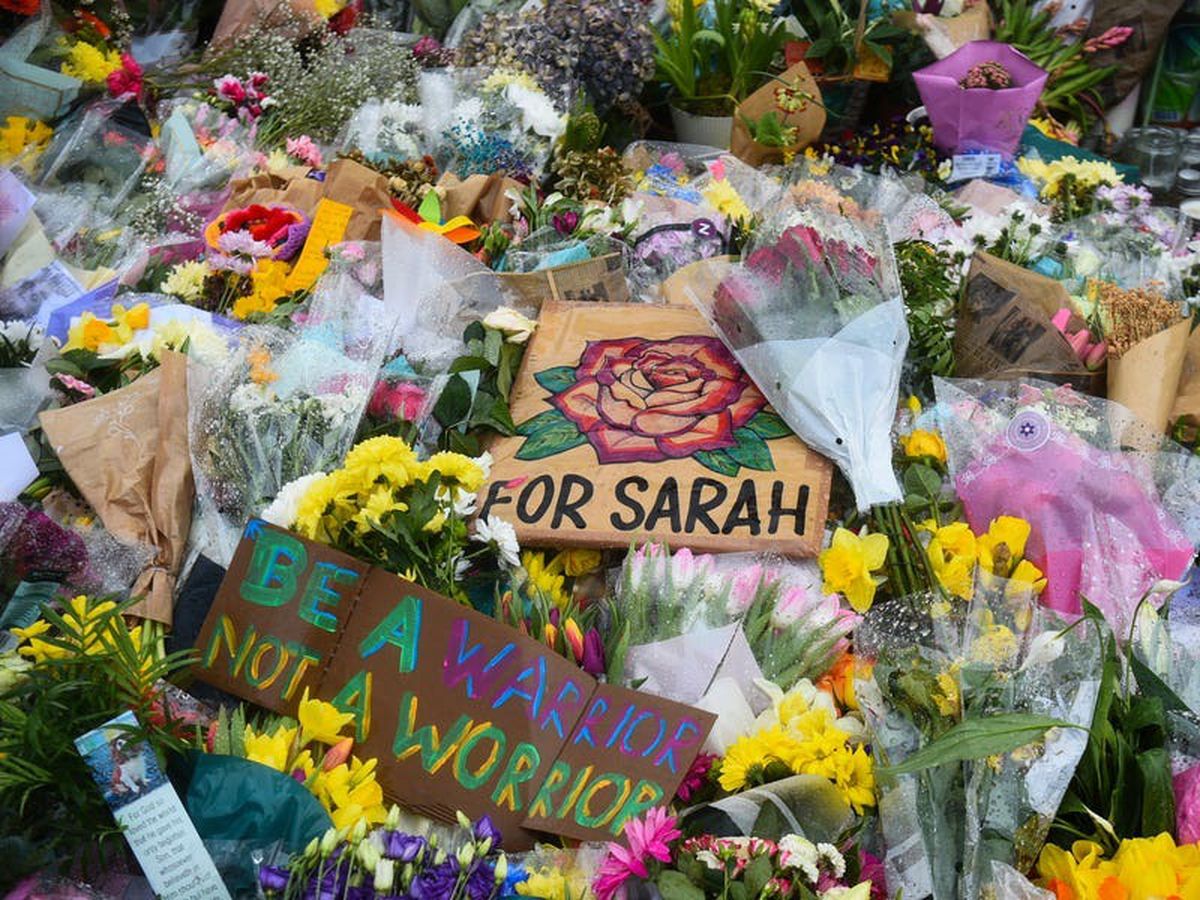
x: 648, y: 401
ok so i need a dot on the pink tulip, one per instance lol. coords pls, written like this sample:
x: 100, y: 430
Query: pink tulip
x: 1061, y: 319
x: 1096, y: 356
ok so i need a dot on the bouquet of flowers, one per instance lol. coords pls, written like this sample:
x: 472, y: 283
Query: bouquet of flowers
x: 655, y: 852
x: 283, y: 406
x: 467, y: 863
x: 386, y: 506
x: 23, y: 380
x: 978, y: 712
x: 814, y: 315
x: 1031, y: 451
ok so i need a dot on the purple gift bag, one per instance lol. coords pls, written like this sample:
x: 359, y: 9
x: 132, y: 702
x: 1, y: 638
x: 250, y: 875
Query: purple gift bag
x: 980, y: 118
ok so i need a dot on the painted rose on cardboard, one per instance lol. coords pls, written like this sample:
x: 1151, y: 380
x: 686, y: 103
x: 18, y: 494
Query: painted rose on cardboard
x: 637, y: 400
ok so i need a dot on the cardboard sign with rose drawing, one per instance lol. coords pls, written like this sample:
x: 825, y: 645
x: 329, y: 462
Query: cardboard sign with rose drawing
x: 636, y: 422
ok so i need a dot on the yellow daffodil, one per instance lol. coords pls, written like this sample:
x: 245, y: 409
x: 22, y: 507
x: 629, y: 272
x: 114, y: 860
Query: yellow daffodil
x: 273, y: 750
x: 89, y: 333
x: 321, y: 721
x: 947, y: 696
x: 952, y: 554
x: 914, y: 405
x: 22, y: 141
x: 545, y: 579
x: 1026, y: 577
x: 848, y: 564
x: 995, y: 644
x: 1141, y: 869
x: 923, y: 443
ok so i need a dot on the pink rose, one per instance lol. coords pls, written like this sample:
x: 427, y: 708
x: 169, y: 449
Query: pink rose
x: 396, y: 401
x: 648, y: 401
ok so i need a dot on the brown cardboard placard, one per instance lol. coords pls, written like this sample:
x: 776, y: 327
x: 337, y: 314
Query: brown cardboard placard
x: 635, y: 422
x: 1146, y: 377
x: 462, y: 712
x: 1004, y: 329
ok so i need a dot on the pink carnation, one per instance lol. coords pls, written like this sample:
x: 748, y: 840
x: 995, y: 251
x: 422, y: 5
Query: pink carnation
x: 230, y: 88
x: 304, y: 149
x: 127, y: 79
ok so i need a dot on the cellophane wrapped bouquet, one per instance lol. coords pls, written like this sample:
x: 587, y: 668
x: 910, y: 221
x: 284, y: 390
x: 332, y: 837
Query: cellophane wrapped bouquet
x: 814, y: 315
x: 287, y: 404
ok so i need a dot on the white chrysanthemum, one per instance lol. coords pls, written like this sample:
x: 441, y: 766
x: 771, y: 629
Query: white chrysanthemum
x: 186, y: 281
x: 800, y: 854
x: 282, y: 511
x: 835, y: 863
x: 501, y: 535
x: 537, y: 112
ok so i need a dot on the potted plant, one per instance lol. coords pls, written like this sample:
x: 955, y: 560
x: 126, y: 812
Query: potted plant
x: 713, y: 65
x: 841, y: 42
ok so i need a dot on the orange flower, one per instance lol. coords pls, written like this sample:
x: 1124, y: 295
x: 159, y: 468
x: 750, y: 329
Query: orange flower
x: 259, y: 359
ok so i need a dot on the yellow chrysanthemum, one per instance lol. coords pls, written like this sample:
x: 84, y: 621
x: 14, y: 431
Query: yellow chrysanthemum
x: 751, y: 753
x: 90, y: 64
x: 724, y: 198
x: 385, y: 456
x: 456, y: 468
x: 848, y: 564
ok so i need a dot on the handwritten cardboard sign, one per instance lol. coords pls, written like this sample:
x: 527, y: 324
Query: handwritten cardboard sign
x: 635, y: 421
x: 463, y: 712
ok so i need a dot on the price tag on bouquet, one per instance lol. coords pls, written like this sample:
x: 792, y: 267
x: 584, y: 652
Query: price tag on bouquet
x: 975, y: 165
x: 146, y: 806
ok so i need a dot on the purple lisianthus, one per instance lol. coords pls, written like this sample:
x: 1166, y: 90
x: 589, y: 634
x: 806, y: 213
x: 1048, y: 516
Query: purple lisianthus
x: 273, y: 878
x: 436, y: 883
x: 484, y: 829
x: 402, y: 847
x: 481, y: 883
x: 565, y: 223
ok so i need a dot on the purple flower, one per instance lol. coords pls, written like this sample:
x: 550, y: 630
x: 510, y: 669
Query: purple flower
x: 273, y: 878
x: 436, y: 883
x: 402, y: 847
x: 481, y: 883
x: 565, y: 223
x: 485, y: 828
x: 593, y: 653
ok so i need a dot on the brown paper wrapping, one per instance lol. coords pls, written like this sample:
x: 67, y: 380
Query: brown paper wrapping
x: 481, y: 198
x: 239, y: 15
x: 127, y: 452
x: 602, y: 278
x: 945, y: 35
x: 1146, y: 377
x: 701, y: 279
x: 1187, y: 397
x: 1004, y: 329
x: 809, y: 120
x: 360, y: 188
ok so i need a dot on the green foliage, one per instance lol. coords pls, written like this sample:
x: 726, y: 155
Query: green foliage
x: 931, y: 285
x: 834, y: 32
x: 474, y: 403
x: 47, y: 794
x: 1122, y: 786
x: 979, y: 738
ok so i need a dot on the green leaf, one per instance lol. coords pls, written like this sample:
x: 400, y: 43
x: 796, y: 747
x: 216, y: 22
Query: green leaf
x: 819, y: 48
x: 757, y: 874
x: 718, y: 461
x: 675, y: 886
x: 920, y: 479
x: 431, y: 208
x: 548, y: 434
x: 769, y: 426
x: 1152, y: 686
x: 492, y: 345
x: 454, y: 405
x: 1158, y: 800
x: 469, y: 364
x: 556, y: 380
x: 751, y: 451
x: 978, y: 738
